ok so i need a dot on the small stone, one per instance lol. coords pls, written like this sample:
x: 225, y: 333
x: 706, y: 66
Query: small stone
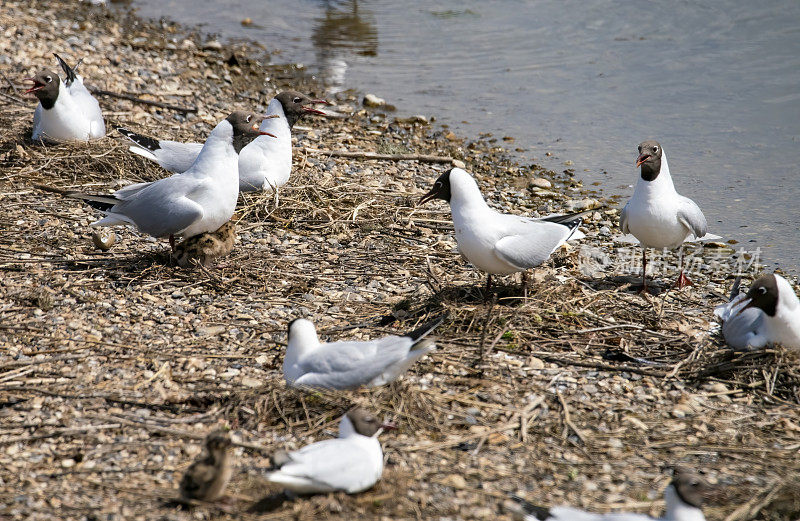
x: 68, y: 463
x: 535, y: 363
x: 212, y: 45
x: 247, y: 21
x: 371, y: 100
x: 458, y: 164
x: 455, y: 481
x: 540, y: 182
x: 104, y: 239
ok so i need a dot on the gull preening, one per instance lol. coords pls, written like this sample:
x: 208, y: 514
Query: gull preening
x: 495, y: 242
x: 263, y: 164
x: 349, y: 364
x: 353, y: 462
x: 657, y: 215
x: 199, y: 200
x: 206, y: 478
x: 684, y: 497
x: 768, y: 314
x: 67, y: 111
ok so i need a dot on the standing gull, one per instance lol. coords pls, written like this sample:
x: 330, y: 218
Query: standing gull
x: 684, y: 498
x: 66, y: 110
x: 768, y: 314
x: 199, y: 200
x: 263, y: 164
x: 495, y: 242
x: 349, y: 364
x: 353, y: 462
x: 656, y: 214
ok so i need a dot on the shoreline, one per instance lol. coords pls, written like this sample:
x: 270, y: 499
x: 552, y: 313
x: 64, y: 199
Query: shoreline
x: 117, y: 362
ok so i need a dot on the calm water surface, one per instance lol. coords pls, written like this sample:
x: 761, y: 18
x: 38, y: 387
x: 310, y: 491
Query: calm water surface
x: 717, y: 82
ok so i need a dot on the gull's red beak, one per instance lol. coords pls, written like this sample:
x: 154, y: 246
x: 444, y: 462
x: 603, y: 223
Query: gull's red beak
x: 267, y: 134
x: 641, y: 159
x: 36, y: 85
x: 388, y: 426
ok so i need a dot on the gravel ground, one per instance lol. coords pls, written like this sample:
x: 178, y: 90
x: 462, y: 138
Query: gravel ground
x: 114, y: 365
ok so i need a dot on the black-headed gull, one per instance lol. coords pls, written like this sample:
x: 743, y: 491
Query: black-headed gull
x: 684, y: 498
x: 199, y: 200
x: 768, y: 314
x: 263, y: 164
x: 353, y: 462
x: 206, y: 478
x: 349, y: 364
x: 495, y: 242
x: 656, y: 214
x: 66, y: 111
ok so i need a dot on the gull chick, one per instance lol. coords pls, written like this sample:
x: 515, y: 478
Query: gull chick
x: 768, y: 314
x: 206, y: 478
x: 684, y: 498
x: 349, y: 364
x: 206, y: 247
x: 199, y: 200
x: 263, y: 164
x: 67, y: 111
x: 657, y: 215
x: 495, y: 242
x: 353, y: 462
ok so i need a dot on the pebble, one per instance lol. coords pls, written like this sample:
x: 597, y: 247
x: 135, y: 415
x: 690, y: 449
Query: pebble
x: 371, y: 100
x: 540, y: 182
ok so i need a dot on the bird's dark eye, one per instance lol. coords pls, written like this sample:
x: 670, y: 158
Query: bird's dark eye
x: 249, y: 116
x: 639, y: 148
x: 49, y: 79
x: 296, y: 100
x: 762, y: 290
x: 655, y: 150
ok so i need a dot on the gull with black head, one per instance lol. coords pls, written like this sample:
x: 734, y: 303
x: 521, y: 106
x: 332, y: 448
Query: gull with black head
x: 353, y: 462
x: 263, y: 164
x: 199, y: 200
x: 657, y: 215
x: 495, y: 242
x: 349, y: 364
x: 684, y: 497
x: 67, y: 111
x: 769, y: 313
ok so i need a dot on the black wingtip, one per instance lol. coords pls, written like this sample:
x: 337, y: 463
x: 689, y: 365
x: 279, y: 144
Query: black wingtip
x: 423, y: 330
x: 540, y: 513
x: 69, y: 71
x: 149, y: 143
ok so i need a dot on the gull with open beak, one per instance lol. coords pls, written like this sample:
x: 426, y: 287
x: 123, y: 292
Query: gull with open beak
x: 656, y: 214
x: 67, y: 111
x: 768, y: 314
x: 263, y: 164
x: 353, y: 462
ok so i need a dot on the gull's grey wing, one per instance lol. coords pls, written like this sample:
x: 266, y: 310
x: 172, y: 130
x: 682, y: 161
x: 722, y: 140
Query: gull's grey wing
x: 745, y: 330
x: 176, y: 156
x: 689, y: 215
x: 533, y: 246
x: 350, y: 364
x: 162, y: 208
x: 623, y: 220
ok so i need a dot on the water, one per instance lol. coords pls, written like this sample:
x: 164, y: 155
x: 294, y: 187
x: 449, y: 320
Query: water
x: 717, y: 82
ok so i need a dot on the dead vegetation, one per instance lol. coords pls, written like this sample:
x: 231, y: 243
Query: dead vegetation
x: 116, y: 364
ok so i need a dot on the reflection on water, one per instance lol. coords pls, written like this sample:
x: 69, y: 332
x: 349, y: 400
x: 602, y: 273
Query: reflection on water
x: 343, y: 31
